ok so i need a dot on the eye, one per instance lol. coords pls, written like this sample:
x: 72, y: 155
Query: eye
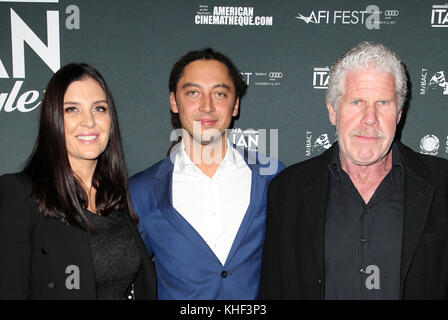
x: 356, y: 102
x: 70, y: 109
x: 101, y: 109
x: 221, y: 94
x: 383, y: 102
x: 192, y: 93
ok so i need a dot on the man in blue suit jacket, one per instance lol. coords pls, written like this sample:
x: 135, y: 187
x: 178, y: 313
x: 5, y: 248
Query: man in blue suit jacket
x: 202, y: 209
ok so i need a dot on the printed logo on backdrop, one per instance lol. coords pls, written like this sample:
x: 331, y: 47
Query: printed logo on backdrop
x: 247, y: 139
x: 271, y: 78
x: 371, y: 17
x: 430, y: 144
x: 264, y: 141
x: 14, y: 94
x: 446, y: 144
x: 230, y: 16
x: 439, y: 16
x: 433, y: 81
x: 315, y: 144
x: 321, y: 77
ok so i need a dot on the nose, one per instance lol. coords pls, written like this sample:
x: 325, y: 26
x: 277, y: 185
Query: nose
x: 207, y: 104
x: 370, y: 116
x: 88, y: 120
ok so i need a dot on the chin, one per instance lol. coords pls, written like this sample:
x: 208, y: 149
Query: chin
x: 365, y: 161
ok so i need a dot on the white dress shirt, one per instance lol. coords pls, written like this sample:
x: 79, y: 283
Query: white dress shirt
x: 215, y: 206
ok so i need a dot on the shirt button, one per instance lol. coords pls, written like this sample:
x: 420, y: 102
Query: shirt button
x: 224, y: 274
x: 319, y: 282
x: 363, y: 240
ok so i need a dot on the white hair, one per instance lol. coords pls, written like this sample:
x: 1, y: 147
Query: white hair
x: 361, y: 57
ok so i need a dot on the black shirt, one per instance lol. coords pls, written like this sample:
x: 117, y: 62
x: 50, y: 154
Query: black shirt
x: 116, y: 257
x: 363, y: 241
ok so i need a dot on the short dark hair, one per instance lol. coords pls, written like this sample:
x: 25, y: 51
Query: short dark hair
x: 56, y: 189
x: 205, y: 54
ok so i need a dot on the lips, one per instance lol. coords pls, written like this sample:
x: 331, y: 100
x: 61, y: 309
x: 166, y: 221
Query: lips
x: 87, y: 138
x: 207, y: 122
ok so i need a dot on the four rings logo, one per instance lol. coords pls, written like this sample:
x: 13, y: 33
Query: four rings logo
x: 275, y: 75
x: 263, y: 78
x: 391, y: 13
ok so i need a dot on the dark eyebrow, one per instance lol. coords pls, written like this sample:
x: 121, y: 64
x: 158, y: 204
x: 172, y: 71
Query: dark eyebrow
x: 95, y: 102
x: 218, y: 85
x: 221, y: 85
x: 190, y: 84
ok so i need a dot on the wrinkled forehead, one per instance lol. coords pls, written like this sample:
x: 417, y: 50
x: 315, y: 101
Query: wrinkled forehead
x: 368, y: 77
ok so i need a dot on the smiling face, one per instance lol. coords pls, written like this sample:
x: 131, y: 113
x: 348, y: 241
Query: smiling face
x: 366, y: 116
x: 205, y: 100
x: 87, y: 121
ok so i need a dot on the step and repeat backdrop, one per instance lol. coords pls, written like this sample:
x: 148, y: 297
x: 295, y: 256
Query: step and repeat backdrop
x: 283, y: 49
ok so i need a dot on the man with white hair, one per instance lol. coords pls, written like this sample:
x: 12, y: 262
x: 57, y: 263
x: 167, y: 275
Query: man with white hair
x: 367, y: 219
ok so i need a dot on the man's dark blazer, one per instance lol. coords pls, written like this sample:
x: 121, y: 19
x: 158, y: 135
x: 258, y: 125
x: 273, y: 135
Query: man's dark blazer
x: 36, y: 251
x: 293, y: 256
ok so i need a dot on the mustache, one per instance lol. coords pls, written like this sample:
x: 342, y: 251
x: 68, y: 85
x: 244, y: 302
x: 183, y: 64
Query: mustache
x: 368, y: 133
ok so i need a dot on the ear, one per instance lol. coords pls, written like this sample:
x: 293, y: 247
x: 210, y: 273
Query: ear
x: 236, y: 107
x: 331, y: 114
x: 173, y: 103
x: 399, y: 116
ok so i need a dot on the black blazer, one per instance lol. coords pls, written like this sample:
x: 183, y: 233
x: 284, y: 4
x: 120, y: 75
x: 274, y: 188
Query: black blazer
x: 293, y: 256
x: 35, y: 251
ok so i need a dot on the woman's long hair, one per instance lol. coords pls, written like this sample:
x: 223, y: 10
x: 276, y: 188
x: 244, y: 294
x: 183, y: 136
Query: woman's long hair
x: 58, y: 191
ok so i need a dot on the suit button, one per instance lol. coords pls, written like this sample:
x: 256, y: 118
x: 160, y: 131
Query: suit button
x: 51, y: 285
x: 43, y: 251
x: 224, y: 274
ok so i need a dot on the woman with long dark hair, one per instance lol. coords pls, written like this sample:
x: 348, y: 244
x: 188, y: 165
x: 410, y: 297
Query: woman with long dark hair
x: 67, y: 227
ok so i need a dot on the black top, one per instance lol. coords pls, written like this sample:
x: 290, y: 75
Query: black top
x: 294, y: 255
x: 363, y: 241
x: 116, y: 257
x: 36, y: 251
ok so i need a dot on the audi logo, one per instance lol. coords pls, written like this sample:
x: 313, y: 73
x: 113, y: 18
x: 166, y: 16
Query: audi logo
x: 391, y: 13
x: 276, y: 75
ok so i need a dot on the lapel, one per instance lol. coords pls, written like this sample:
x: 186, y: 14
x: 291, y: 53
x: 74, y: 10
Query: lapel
x: 418, y: 195
x: 164, y: 197
x: 78, y: 244
x: 256, y: 203
x: 315, y: 197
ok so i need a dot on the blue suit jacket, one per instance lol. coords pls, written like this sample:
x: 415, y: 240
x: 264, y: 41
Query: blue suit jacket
x: 186, y: 267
